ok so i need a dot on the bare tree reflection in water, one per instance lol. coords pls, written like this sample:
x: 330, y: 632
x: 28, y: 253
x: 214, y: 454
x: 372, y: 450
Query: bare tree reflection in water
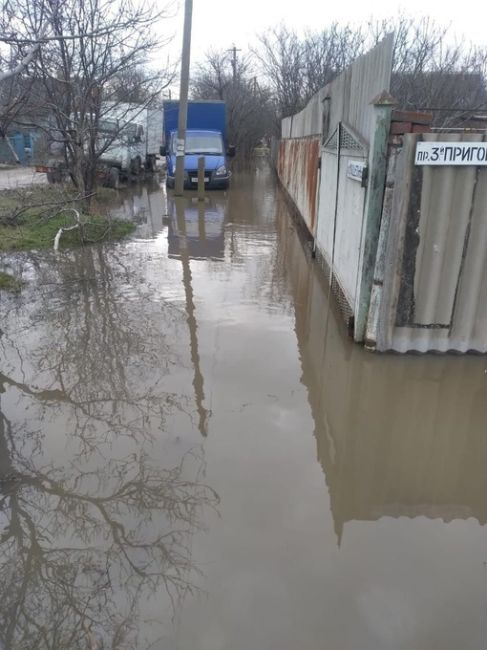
x: 95, y: 536
x: 81, y: 549
x: 100, y: 348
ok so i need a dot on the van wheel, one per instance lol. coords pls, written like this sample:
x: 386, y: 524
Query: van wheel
x: 151, y: 165
x: 136, y: 167
x: 114, y: 179
x: 55, y: 175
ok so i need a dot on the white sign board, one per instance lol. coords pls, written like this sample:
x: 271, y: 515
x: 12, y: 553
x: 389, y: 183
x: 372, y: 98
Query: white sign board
x: 180, y: 146
x: 451, y: 153
x: 355, y: 170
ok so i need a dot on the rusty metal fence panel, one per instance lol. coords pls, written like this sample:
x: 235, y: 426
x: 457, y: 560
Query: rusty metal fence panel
x: 298, y: 172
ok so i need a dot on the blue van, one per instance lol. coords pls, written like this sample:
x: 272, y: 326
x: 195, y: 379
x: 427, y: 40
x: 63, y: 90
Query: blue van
x: 205, y: 136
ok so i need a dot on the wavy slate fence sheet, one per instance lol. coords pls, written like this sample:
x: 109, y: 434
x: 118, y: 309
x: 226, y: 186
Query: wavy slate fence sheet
x: 307, y: 122
x: 352, y: 93
x: 434, y: 295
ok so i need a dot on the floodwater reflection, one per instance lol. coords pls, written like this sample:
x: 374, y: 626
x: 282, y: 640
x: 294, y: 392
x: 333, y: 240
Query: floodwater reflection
x: 96, y: 518
x: 86, y: 542
x: 396, y: 435
x: 195, y: 232
x: 196, y: 228
x: 201, y: 356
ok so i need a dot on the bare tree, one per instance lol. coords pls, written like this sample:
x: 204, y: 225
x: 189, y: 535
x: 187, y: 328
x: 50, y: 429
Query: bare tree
x: 280, y: 52
x: 434, y: 72
x: 137, y: 85
x: 211, y: 78
x: 78, y: 51
x: 327, y: 53
x: 430, y: 70
x: 297, y: 67
x: 250, y: 109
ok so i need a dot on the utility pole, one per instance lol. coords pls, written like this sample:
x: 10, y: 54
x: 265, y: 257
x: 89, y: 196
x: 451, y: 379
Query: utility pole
x: 183, y: 98
x: 234, y: 51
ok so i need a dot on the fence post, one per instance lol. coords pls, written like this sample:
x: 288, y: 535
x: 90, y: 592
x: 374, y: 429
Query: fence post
x: 383, y: 106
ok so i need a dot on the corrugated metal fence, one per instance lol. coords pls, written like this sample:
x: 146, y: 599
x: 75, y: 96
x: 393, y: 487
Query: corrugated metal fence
x: 404, y: 245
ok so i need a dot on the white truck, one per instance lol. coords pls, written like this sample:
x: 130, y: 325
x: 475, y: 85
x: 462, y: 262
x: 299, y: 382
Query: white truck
x: 129, y: 138
x: 135, y: 137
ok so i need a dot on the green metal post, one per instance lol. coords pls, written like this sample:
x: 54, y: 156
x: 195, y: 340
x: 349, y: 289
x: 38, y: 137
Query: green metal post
x: 383, y: 105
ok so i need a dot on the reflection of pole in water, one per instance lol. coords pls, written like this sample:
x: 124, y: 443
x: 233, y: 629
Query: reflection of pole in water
x: 201, y: 221
x: 193, y: 327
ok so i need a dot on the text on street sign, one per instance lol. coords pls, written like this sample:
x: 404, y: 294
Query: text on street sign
x: 451, y: 153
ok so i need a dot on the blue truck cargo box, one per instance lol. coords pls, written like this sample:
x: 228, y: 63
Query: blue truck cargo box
x: 202, y: 115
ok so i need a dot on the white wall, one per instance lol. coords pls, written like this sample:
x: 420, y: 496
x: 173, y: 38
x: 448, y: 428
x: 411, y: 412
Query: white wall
x: 345, y: 250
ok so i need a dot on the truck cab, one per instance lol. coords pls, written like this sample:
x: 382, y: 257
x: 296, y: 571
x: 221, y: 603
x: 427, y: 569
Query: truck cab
x: 208, y: 144
x: 125, y: 149
x: 130, y: 137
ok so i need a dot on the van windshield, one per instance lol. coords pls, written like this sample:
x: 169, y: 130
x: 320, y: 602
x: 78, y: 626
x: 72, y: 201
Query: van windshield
x: 209, y: 143
x: 107, y: 126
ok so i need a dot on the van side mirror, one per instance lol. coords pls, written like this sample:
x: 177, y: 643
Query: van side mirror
x: 162, y: 150
x: 231, y: 151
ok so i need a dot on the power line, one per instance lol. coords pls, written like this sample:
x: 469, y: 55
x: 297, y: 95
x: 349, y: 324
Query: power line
x: 450, y: 110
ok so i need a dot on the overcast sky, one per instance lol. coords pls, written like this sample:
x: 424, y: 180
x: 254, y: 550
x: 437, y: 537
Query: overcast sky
x: 220, y: 24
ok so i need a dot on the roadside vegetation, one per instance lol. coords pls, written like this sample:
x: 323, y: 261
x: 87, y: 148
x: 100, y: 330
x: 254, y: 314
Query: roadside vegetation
x: 34, y: 218
x: 9, y: 283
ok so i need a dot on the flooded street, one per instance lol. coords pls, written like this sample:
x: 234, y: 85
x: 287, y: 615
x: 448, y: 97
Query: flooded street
x: 194, y: 456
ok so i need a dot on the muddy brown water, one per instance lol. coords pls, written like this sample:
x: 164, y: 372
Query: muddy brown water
x: 193, y: 455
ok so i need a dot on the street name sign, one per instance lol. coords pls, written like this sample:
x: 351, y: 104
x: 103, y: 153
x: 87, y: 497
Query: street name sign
x: 451, y: 153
